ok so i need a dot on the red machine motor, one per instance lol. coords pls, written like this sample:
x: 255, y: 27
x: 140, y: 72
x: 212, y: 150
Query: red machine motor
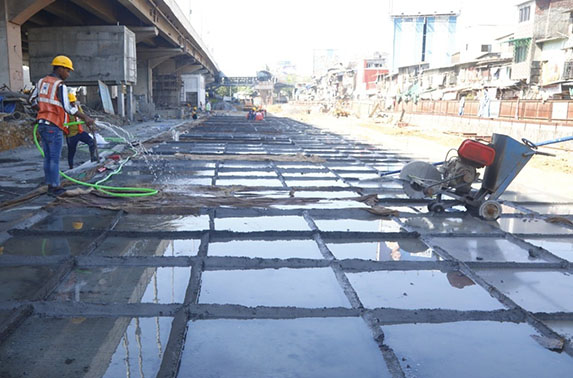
x: 460, y: 172
x: 482, y: 155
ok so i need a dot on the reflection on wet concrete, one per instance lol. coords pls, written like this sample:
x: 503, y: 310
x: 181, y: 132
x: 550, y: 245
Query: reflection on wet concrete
x: 378, y: 225
x: 536, y: 291
x: 71, y: 222
x: 249, y: 182
x: 313, y: 288
x: 484, y: 249
x: 85, y: 347
x: 323, y: 348
x: 559, y: 247
x: 264, y: 223
x: 531, y: 226
x: 22, y: 282
x: 444, y: 225
x: 473, y: 349
x: 282, y: 249
x: 140, y: 350
x: 163, y: 223
x: 125, y: 285
x: 562, y: 327
x: 404, y: 249
x: 46, y: 246
x: 421, y: 289
x: 147, y: 247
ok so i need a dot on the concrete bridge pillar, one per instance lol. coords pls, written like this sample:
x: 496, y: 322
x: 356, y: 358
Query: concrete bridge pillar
x: 11, y: 66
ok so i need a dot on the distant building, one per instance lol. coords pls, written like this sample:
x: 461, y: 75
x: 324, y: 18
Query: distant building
x: 439, y: 33
x: 543, y: 44
x: 323, y: 59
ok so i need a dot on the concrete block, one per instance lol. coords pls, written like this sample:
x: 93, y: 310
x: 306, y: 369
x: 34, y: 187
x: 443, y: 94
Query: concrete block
x: 105, y: 53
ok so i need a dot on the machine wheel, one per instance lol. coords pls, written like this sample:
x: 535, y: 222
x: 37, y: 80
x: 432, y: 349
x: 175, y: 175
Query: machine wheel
x: 436, y: 207
x: 490, y: 210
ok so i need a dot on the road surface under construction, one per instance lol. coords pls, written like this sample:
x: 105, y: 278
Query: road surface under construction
x: 276, y: 249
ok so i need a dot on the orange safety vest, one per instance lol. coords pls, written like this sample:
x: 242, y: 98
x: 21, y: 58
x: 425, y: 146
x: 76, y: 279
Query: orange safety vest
x: 51, y: 108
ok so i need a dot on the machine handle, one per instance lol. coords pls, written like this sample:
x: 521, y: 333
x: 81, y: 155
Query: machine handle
x: 529, y: 143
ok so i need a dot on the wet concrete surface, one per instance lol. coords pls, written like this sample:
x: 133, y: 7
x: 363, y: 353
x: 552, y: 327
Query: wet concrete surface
x: 259, y: 258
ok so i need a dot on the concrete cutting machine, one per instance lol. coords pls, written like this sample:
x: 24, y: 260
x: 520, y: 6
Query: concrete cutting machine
x: 455, y: 177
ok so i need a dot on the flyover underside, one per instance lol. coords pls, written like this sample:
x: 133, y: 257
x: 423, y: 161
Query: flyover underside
x: 162, y: 35
x: 276, y: 248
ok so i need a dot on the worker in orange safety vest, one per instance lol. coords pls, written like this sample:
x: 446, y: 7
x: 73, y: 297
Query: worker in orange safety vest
x: 50, y: 97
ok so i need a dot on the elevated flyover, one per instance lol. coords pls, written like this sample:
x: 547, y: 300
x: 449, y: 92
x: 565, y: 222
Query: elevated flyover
x: 166, y: 43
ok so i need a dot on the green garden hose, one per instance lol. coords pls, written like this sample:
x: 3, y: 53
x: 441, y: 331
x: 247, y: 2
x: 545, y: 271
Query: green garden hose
x: 114, y: 191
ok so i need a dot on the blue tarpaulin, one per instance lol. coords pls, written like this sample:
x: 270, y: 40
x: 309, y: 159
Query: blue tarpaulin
x: 7, y: 106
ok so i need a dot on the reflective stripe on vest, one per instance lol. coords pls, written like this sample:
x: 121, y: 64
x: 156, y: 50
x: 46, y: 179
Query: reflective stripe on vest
x: 51, y: 108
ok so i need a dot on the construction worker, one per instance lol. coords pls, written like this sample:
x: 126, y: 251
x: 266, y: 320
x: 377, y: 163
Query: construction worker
x: 194, y: 113
x: 51, y: 98
x: 77, y: 134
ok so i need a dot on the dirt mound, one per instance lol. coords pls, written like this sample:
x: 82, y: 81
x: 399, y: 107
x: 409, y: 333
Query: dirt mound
x: 15, y: 133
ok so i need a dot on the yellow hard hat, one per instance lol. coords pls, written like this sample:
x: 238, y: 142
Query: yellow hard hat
x: 194, y: 108
x: 63, y: 61
x: 254, y: 108
x: 72, y: 97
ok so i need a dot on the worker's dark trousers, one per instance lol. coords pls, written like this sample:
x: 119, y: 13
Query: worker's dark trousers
x: 73, y: 144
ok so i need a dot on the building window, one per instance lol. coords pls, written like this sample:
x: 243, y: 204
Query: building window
x: 485, y: 48
x: 520, y: 53
x: 524, y: 13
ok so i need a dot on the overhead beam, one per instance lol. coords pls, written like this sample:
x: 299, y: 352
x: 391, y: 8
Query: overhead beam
x: 106, y: 10
x: 69, y: 13
x: 144, y: 33
x: 149, y: 12
x: 151, y: 53
x: 21, y: 10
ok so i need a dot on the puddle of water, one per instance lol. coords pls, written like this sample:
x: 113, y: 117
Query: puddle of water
x: 34, y: 246
x: 319, y: 174
x: 20, y: 283
x: 311, y: 288
x: 318, y: 194
x: 282, y: 249
x: 249, y: 182
x: 281, y: 349
x: 559, y: 247
x: 399, y: 250
x: 79, y: 347
x: 379, y: 225
x: 383, y: 184
x: 421, y: 289
x: 473, y: 350
x: 484, y: 249
x: 531, y: 226
x: 314, y: 183
x: 562, y: 327
x: 435, y: 224
x: 245, y: 164
x: 248, y: 173
x: 536, y: 291
x: 325, y: 204
x: 125, y: 285
x: 188, y: 181
x: 147, y: 247
x: 163, y: 223
x: 141, y: 348
x: 360, y: 176
x: 284, y: 223
x: 58, y: 222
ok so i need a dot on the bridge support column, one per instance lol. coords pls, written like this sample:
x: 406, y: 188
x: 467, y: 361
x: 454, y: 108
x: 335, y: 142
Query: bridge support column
x: 129, y: 107
x: 11, y: 68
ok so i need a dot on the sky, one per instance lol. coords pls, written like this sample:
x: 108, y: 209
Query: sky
x: 245, y: 36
